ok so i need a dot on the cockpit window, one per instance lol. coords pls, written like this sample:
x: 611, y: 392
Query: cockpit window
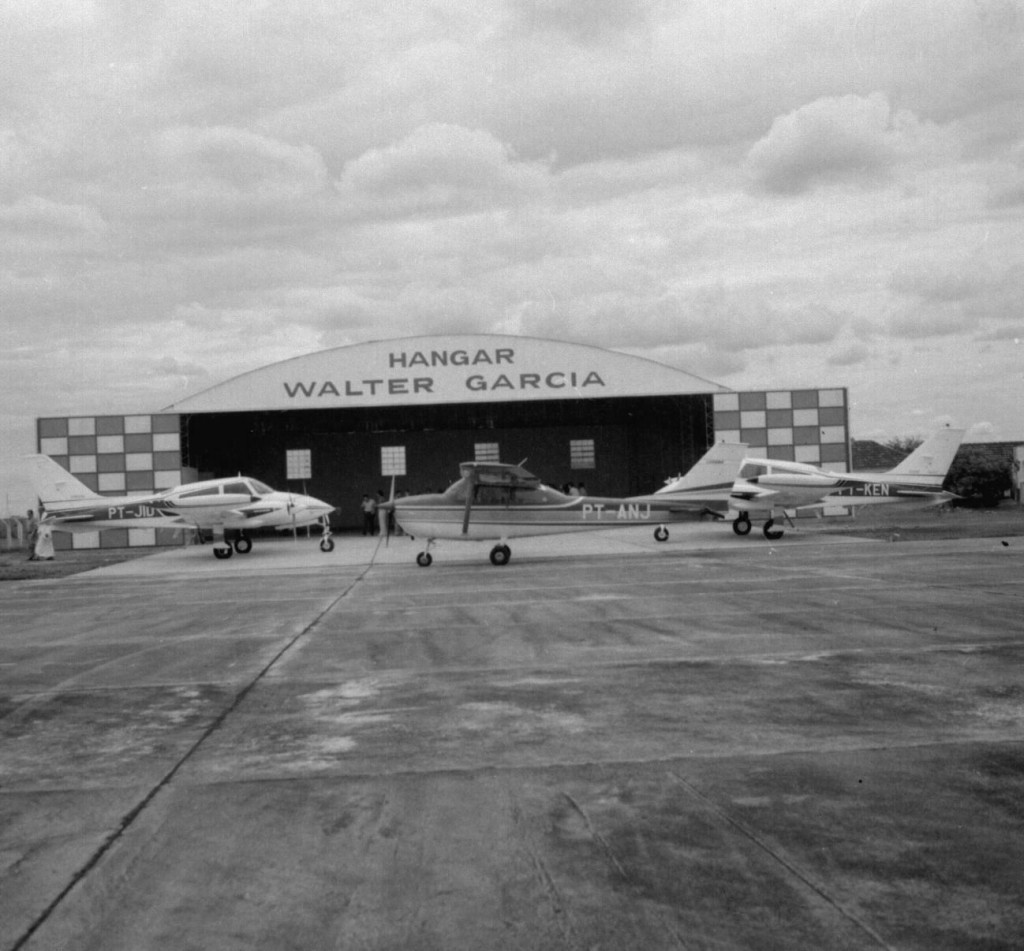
x: 260, y: 488
x: 753, y: 470
x: 236, y: 488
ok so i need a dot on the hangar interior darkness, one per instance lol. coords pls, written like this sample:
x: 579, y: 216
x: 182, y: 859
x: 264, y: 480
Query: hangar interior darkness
x: 636, y: 442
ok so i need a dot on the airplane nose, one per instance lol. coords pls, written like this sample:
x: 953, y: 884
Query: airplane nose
x: 317, y: 507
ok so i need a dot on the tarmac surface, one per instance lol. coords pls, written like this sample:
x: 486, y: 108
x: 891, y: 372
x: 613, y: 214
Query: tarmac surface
x: 609, y: 743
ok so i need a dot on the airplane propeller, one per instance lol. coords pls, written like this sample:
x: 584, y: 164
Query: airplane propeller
x: 384, y: 515
x: 470, y: 491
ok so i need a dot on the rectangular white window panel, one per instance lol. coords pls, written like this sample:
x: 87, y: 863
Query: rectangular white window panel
x: 392, y: 460
x: 830, y: 398
x: 582, y: 454
x: 486, y: 452
x: 753, y: 419
x: 780, y: 437
x: 298, y: 464
x: 727, y: 402
x: 137, y: 424
x: 783, y: 400
x: 138, y: 461
x: 811, y: 454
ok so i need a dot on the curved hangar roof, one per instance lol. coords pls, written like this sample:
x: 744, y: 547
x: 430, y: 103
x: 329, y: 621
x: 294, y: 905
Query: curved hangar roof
x: 443, y: 369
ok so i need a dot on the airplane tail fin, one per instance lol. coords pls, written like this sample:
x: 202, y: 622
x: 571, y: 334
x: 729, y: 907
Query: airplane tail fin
x: 53, y: 484
x: 930, y: 461
x: 716, y: 469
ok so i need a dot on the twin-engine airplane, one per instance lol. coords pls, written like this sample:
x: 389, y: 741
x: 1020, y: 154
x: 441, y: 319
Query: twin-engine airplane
x: 235, y: 504
x: 770, y: 487
x: 495, y: 502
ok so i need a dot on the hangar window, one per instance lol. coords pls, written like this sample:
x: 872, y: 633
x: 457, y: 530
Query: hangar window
x: 581, y: 454
x: 486, y: 452
x: 392, y: 460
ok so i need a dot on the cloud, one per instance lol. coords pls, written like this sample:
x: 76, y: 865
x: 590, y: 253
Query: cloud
x: 849, y: 139
x: 439, y: 169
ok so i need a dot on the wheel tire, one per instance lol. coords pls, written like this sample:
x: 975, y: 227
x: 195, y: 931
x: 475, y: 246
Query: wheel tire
x: 222, y: 553
x: 243, y: 545
x: 741, y: 526
x: 500, y: 555
x: 326, y: 545
x: 424, y: 559
x: 772, y: 536
x: 661, y: 534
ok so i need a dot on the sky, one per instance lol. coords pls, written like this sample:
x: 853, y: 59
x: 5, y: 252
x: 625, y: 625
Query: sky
x: 764, y: 193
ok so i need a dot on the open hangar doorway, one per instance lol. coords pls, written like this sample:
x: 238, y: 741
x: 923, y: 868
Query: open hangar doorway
x: 616, y: 446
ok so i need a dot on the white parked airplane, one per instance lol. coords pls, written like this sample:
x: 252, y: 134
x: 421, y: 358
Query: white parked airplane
x: 772, y: 487
x: 218, y: 505
x: 496, y: 502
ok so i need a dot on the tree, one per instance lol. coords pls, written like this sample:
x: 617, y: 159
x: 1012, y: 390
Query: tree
x: 903, y: 444
x: 979, y: 478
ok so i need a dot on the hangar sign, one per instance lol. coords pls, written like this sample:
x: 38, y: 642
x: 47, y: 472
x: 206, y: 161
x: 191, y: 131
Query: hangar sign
x: 480, y: 380
x: 459, y: 369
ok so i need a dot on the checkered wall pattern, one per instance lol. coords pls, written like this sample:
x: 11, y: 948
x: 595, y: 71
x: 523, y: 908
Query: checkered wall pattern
x: 117, y: 455
x: 809, y: 426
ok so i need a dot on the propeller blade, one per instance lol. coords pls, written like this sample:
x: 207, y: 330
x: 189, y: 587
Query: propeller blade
x: 469, y: 501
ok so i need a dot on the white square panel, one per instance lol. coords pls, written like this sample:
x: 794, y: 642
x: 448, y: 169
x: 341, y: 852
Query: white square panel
x: 54, y: 446
x: 82, y: 464
x: 82, y: 426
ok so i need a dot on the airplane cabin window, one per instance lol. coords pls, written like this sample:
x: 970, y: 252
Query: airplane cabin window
x: 237, y: 488
x: 195, y: 493
x: 260, y: 488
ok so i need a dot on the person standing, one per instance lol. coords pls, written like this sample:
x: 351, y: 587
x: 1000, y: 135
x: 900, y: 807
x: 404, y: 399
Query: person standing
x: 31, y: 534
x: 369, y: 507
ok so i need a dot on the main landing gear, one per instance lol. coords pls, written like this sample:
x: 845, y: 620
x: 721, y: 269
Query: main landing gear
x: 500, y: 555
x: 741, y: 526
x: 661, y: 534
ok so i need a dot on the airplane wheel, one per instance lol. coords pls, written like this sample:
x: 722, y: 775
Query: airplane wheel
x: 768, y: 533
x: 243, y: 545
x: 326, y: 544
x: 222, y: 552
x: 424, y: 559
x: 741, y: 526
x: 500, y: 554
x: 661, y: 534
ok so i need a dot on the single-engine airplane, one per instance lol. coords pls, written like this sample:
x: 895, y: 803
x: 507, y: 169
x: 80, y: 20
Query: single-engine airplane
x: 772, y: 487
x: 494, y: 501
x: 218, y: 505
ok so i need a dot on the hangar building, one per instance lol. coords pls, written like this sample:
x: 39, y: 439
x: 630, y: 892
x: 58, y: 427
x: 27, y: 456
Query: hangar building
x: 338, y: 423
